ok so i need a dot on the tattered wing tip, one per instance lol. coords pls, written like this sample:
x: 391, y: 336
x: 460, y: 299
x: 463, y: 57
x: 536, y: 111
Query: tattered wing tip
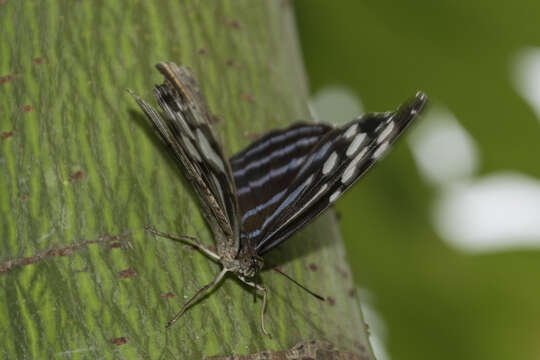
x: 172, y: 71
x: 163, y: 64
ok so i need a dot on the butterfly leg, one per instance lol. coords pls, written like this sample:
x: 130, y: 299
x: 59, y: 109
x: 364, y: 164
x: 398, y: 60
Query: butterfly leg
x: 197, y: 296
x: 186, y: 239
x: 263, y: 289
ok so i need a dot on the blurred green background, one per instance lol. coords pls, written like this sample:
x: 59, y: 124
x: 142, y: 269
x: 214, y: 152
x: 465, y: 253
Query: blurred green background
x: 443, y: 236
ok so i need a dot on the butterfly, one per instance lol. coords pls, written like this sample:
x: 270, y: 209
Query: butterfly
x: 262, y: 195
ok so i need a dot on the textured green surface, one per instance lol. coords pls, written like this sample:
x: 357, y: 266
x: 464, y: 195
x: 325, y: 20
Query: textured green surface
x: 82, y: 164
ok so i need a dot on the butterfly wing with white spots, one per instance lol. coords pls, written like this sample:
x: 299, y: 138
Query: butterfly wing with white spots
x: 334, y: 163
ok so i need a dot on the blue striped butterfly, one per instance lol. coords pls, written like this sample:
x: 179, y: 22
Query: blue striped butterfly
x: 274, y: 187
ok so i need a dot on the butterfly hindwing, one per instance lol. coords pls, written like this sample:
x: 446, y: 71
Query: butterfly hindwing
x: 264, y: 170
x: 340, y: 158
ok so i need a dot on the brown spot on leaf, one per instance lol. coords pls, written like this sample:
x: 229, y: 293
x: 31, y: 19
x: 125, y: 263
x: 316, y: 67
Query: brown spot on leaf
x: 24, y: 197
x: 234, y: 24
x: 38, y: 60
x: 126, y: 274
x: 167, y: 295
x: 202, y: 51
x: 68, y: 250
x: 331, y: 301
x: 27, y: 108
x: 232, y: 63
x: 119, y: 340
x: 115, y: 245
x: 77, y: 175
x: 7, y: 78
x: 60, y: 252
x: 342, y: 272
x: 247, y: 97
x: 352, y: 292
x: 7, y: 134
x: 313, y: 267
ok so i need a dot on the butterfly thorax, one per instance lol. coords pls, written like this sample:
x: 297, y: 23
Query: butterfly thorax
x: 247, y: 263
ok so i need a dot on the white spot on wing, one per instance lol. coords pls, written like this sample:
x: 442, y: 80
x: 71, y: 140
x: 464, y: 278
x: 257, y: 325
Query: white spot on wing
x: 334, y: 196
x: 384, y: 134
x: 208, y: 152
x: 349, y: 172
x: 380, y: 151
x: 351, y: 131
x: 330, y: 163
x: 355, y: 144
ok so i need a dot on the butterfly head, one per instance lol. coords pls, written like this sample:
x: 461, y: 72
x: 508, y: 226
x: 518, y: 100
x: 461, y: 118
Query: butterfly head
x: 248, y: 264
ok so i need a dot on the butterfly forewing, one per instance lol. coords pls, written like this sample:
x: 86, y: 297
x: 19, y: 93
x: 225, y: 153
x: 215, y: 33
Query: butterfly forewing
x: 339, y: 158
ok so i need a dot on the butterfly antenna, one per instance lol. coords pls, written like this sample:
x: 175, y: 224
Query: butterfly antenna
x: 297, y: 283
